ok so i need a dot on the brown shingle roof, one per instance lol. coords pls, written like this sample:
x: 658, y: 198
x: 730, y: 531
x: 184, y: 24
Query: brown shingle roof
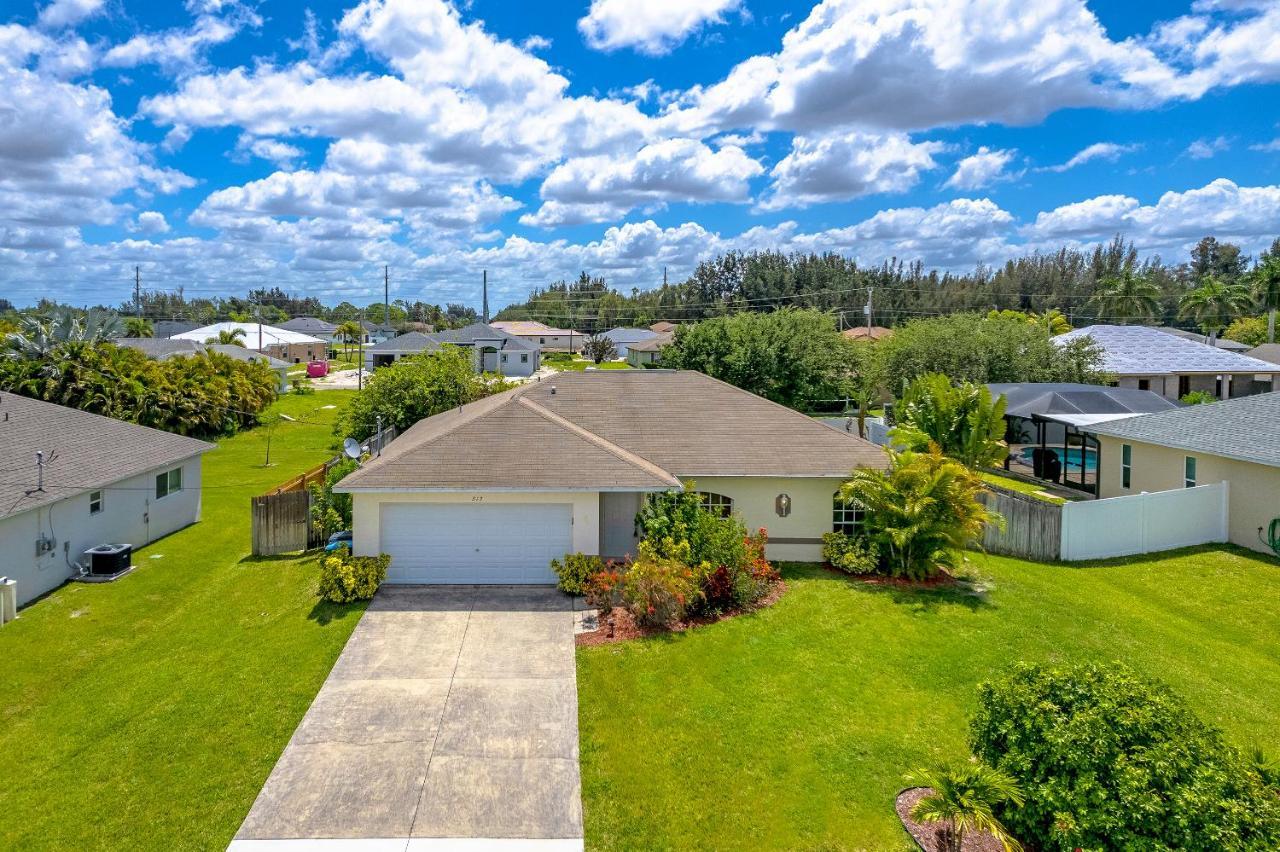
x: 861, y: 332
x: 652, y: 344
x: 83, y: 451
x: 613, y: 429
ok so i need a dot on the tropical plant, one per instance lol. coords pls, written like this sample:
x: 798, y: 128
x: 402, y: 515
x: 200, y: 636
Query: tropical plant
x: 575, y: 570
x: 228, y: 337
x: 962, y: 419
x: 964, y: 799
x: 851, y: 554
x: 345, y: 578
x: 599, y: 348
x: 1197, y: 397
x: 1127, y: 296
x: 1110, y: 760
x: 1265, y: 281
x: 39, y: 334
x: 1214, y: 303
x: 921, y: 513
x: 330, y: 510
x: 412, y: 388
x: 1052, y: 321
x: 350, y: 331
x: 661, y: 590
x: 138, y: 327
x: 1251, y: 331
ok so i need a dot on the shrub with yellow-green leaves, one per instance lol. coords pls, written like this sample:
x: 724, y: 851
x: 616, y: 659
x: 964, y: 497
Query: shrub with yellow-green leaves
x: 345, y: 578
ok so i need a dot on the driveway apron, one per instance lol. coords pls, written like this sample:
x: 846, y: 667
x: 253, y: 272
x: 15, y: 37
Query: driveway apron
x: 450, y: 721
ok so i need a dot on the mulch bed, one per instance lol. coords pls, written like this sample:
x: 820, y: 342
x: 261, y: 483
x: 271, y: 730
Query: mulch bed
x: 625, y: 626
x: 941, y: 581
x: 930, y: 836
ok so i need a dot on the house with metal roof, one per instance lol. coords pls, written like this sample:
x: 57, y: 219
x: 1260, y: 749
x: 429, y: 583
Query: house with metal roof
x: 1173, y: 366
x: 78, y: 480
x: 456, y: 499
x: 291, y: 346
x: 1235, y: 441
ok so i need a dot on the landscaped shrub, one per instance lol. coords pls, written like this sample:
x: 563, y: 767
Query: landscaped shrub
x: 575, y: 571
x: 1198, y: 397
x: 850, y: 554
x: 1108, y: 760
x: 345, y: 578
x: 660, y: 590
x: 330, y: 511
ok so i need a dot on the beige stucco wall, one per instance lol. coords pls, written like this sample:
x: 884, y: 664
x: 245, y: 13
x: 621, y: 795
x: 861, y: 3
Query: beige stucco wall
x: 797, y: 537
x: 366, y: 512
x: 1254, y: 496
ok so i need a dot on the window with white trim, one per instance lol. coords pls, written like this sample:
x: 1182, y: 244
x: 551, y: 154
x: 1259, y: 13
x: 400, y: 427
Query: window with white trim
x: 95, y: 502
x: 846, y: 515
x: 169, y: 482
x: 1189, y: 472
x: 717, y: 503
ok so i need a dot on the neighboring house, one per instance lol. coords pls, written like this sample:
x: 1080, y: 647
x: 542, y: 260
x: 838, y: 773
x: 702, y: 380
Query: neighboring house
x: 1220, y: 342
x: 648, y: 351
x: 1269, y: 352
x: 663, y: 327
x: 492, y: 350
x: 161, y: 349
x: 624, y: 338
x: 314, y: 327
x: 861, y: 332
x: 1172, y: 366
x: 104, y: 481
x: 492, y: 491
x: 169, y: 328
x: 291, y: 346
x: 376, y: 332
x: 1236, y: 441
x: 545, y: 337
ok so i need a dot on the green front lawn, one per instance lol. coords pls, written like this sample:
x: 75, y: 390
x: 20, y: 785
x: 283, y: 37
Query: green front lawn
x: 791, y: 728
x: 578, y: 364
x: 146, y: 713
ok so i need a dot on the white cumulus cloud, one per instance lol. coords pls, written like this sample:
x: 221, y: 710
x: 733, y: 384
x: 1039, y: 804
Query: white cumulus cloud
x: 653, y: 27
x: 842, y: 165
x: 981, y: 169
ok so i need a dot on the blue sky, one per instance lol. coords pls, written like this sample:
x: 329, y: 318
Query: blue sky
x: 222, y: 144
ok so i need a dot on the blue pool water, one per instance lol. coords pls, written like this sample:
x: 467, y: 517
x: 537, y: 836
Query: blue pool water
x: 1069, y: 456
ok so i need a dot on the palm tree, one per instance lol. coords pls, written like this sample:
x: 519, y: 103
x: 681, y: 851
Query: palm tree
x: 38, y: 335
x: 228, y: 337
x: 1214, y: 303
x: 138, y: 327
x: 351, y: 332
x: 1265, y: 279
x: 1126, y: 297
x: 965, y: 797
x: 963, y: 420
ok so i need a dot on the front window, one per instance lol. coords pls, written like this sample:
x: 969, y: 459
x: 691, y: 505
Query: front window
x: 169, y: 482
x: 524, y: 359
x: 846, y: 515
x: 1189, y: 472
x: 717, y: 503
x: 1126, y: 465
x: 95, y: 502
x: 504, y: 359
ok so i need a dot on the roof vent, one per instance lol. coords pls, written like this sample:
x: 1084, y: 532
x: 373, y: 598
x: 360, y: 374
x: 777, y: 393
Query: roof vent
x: 553, y: 390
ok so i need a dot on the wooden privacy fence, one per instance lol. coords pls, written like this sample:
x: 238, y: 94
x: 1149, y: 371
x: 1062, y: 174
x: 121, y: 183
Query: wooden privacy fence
x: 1033, y: 528
x: 282, y: 516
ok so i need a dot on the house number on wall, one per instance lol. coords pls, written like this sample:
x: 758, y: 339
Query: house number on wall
x: 477, y: 499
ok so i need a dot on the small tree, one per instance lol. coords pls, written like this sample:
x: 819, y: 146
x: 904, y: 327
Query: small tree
x: 921, y: 513
x: 599, y: 348
x: 1265, y: 280
x: 413, y: 388
x: 349, y: 332
x: 138, y: 327
x: 964, y: 798
x: 962, y: 419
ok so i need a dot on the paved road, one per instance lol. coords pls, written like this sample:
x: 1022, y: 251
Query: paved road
x: 449, y: 722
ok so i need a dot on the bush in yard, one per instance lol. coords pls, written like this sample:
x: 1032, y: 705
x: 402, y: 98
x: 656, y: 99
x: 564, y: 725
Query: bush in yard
x: 921, y: 513
x: 850, y: 554
x: 598, y: 349
x: 575, y: 571
x: 661, y: 590
x: 345, y: 578
x: 1197, y: 397
x: 1109, y: 760
x: 331, y: 512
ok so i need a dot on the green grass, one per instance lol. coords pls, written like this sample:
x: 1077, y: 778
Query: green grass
x: 792, y: 727
x: 579, y: 364
x: 147, y: 713
x: 1030, y: 489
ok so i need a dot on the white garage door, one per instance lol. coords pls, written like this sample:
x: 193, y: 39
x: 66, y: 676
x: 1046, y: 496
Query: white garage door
x: 475, y: 543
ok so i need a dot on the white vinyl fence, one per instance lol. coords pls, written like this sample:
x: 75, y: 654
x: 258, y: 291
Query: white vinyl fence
x: 1144, y: 523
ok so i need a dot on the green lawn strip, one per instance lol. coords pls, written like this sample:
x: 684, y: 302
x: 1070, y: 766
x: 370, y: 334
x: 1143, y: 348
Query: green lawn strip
x: 792, y: 728
x: 579, y: 364
x: 147, y: 713
x: 1021, y: 487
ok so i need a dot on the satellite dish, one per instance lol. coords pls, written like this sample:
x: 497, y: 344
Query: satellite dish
x: 351, y: 448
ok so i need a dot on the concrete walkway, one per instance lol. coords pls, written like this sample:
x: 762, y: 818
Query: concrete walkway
x: 449, y: 722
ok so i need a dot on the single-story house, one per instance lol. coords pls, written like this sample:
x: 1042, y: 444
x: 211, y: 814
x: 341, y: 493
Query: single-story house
x: 1049, y: 425
x: 1173, y: 366
x: 861, y: 332
x: 97, y: 481
x: 624, y: 338
x: 313, y: 326
x: 291, y: 346
x: 1220, y: 342
x: 1236, y: 441
x: 493, y: 350
x: 663, y: 327
x: 169, y: 328
x: 648, y: 351
x: 161, y: 349
x: 1269, y: 352
x: 545, y: 337
x: 457, y: 499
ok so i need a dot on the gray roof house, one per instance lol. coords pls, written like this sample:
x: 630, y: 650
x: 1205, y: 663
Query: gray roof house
x: 99, y: 481
x: 1173, y: 366
x: 493, y: 350
x: 456, y: 500
x: 623, y: 338
x: 313, y: 326
x: 1236, y: 441
x: 1269, y: 352
x: 168, y: 328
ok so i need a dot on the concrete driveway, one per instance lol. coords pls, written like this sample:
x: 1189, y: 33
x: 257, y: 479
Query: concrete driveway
x: 449, y: 722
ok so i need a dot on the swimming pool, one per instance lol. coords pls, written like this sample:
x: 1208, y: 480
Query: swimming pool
x: 1070, y: 456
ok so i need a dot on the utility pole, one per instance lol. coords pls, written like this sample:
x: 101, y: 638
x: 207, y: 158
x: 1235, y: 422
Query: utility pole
x: 484, y: 285
x: 867, y: 310
x: 386, y: 295
x: 137, y: 291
